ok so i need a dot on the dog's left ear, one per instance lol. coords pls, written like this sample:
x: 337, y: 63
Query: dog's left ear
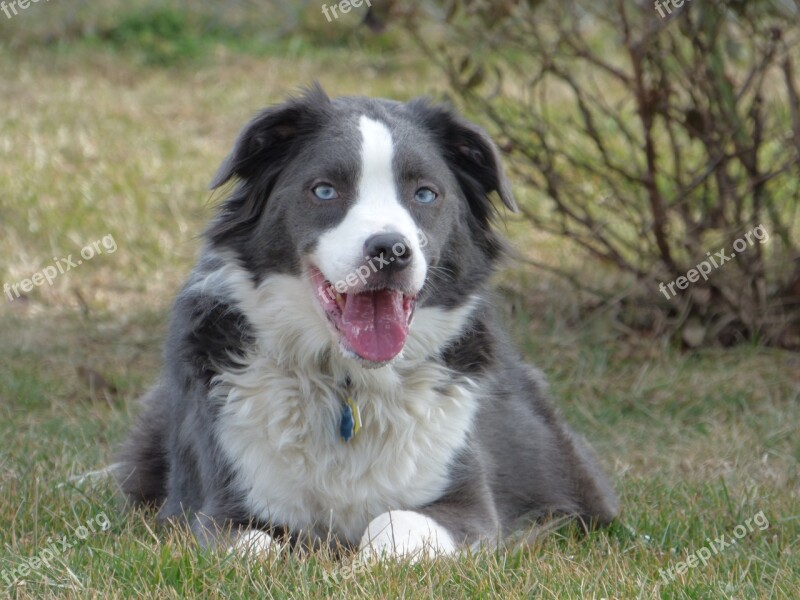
x: 472, y: 156
x: 265, y: 143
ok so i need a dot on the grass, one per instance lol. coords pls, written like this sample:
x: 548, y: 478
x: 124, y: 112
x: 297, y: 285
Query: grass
x: 97, y: 142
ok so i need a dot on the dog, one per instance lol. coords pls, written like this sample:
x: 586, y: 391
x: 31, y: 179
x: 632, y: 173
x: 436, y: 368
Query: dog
x: 335, y: 372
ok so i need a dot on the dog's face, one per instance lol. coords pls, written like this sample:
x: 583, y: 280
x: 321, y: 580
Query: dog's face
x: 381, y: 206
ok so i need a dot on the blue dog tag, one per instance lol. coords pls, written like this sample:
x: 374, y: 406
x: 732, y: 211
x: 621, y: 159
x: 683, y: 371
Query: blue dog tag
x: 351, y: 419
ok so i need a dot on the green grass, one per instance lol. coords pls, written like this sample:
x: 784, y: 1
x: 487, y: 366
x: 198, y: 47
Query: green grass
x: 96, y: 142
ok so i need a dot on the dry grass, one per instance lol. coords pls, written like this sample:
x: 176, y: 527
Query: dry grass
x: 92, y: 145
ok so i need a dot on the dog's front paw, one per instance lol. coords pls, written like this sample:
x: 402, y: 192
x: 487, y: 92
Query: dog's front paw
x: 254, y: 542
x: 405, y: 534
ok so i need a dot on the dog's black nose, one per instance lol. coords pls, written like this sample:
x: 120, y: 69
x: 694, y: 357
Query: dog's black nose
x: 390, y: 250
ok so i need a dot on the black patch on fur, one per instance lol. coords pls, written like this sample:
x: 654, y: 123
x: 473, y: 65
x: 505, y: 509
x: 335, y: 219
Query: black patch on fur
x: 217, y: 338
x: 473, y: 353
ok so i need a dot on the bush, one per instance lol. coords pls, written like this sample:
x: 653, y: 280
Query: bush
x: 649, y: 142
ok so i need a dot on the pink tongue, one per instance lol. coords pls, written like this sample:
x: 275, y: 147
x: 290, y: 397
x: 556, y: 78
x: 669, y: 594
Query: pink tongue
x: 375, y: 324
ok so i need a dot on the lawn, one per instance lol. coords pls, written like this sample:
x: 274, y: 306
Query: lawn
x: 100, y: 146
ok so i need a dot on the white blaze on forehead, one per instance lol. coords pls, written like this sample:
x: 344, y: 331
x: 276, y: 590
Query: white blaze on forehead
x: 377, y: 209
x: 377, y: 174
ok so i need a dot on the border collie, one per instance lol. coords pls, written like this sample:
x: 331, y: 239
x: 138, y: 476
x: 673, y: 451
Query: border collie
x: 334, y: 369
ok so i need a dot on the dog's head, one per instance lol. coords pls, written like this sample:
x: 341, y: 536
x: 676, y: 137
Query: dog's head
x: 382, y: 206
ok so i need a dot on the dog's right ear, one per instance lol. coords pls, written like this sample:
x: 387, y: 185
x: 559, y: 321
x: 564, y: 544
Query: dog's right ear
x: 264, y: 145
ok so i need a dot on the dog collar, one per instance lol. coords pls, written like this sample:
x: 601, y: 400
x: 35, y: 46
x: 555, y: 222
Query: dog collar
x: 350, y: 423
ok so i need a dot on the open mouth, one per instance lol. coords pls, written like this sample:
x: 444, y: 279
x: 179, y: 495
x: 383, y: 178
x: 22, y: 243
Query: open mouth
x: 373, y: 324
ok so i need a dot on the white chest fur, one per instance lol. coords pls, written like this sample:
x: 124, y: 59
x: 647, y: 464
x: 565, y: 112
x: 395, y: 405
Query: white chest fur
x: 281, y: 431
x: 279, y: 416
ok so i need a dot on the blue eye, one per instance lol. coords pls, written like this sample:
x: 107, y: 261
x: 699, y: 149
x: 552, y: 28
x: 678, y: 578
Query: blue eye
x: 425, y: 195
x: 323, y: 191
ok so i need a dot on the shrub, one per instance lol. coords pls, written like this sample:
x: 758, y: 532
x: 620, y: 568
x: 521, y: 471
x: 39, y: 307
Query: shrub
x: 649, y: 142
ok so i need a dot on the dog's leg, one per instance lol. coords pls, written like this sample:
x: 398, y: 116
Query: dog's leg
x: 464, y: 516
